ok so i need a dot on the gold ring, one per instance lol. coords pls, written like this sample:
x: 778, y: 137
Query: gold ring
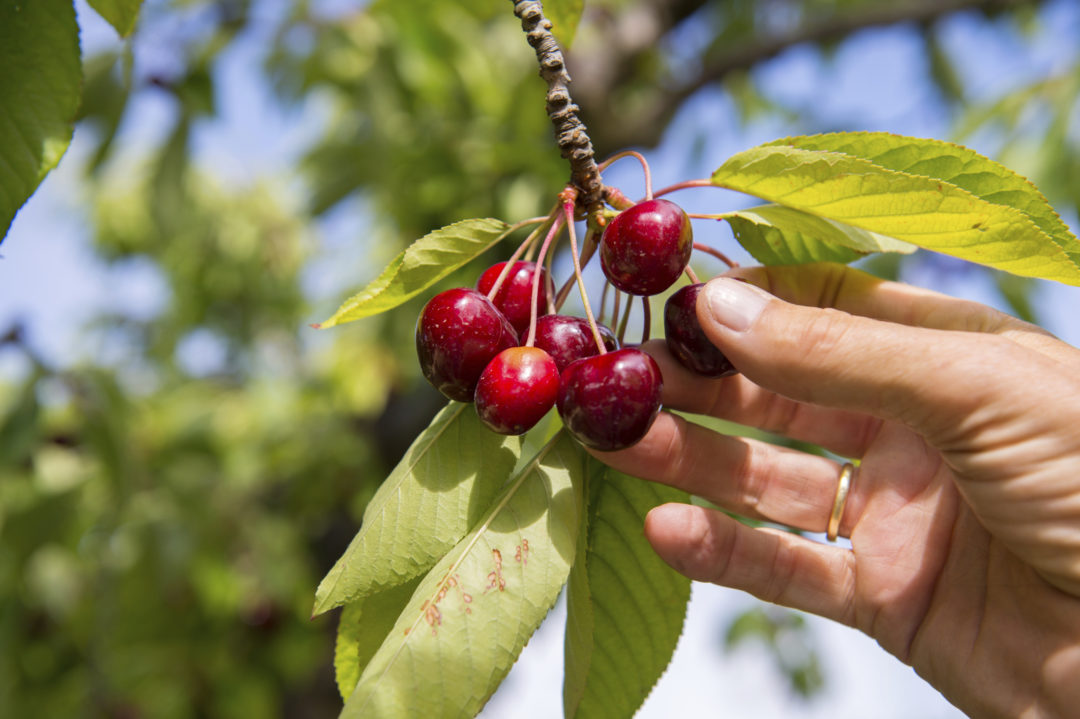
x: 843, y: 488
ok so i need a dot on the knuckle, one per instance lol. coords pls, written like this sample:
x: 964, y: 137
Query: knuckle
x: 823, y: 332
x: 781, y: 571
x: 750, y: 475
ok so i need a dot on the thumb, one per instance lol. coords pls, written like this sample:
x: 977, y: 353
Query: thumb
x: 929, y: 379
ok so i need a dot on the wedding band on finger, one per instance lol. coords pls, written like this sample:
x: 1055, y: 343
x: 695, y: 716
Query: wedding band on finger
x: 843, y: 488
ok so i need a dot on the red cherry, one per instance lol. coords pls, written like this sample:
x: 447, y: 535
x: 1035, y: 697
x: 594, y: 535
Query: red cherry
x: 569, y: 338
x: 685, y: 338
x: 458, y: 333
x: 609, y: 401
x: 645, y: 248
x: 516, y: 291
x: 517, y: 389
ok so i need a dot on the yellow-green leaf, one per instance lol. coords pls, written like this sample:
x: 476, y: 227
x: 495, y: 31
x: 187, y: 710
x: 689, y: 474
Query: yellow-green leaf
x: 421, y: 265
x: 564, y: 16
x: 121, y: 14
x: 928, y: 212
x: 474, y: 611
x: 362, y: 628
x: 953, y: 163
x: 625, y: 605
x: 778, y: 235
x: 438, y: 491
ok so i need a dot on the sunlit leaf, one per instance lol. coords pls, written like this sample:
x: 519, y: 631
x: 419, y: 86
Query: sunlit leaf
x: 778, y: 235
x: 438, y: 491
x: 564, y: 16
x: 362, y: 628
x: 421, y: 265
x: 956, y: 165
x: 928, y: 212
x: 625, y: 605
x: 40, y: 86
x: 121, y: 14
x: 472, y: 614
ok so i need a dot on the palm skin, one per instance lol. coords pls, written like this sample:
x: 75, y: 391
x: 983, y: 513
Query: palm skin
x: 964, y: 517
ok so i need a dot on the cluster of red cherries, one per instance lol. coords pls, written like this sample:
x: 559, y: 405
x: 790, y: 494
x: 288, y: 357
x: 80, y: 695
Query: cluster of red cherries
x: 470, y: 341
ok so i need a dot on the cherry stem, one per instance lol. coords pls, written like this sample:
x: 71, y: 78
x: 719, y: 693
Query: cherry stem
x: 692, y: 275
x: 529, y: 242
x: 587, y: 251
x: 647, y: 326
x: 644, y: 166
x: 684, y: 186
x: 568, y: 211
x: 603, y: 301
x: 549, y: 264
x: 556, y: 226
x: 615, y: 309
x: 625, y: 318
x: 717, y: 254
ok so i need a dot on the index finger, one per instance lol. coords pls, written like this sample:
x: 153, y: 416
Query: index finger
x: 859, y: 293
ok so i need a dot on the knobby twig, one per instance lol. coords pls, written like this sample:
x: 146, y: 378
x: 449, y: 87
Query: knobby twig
x: 570, y: 133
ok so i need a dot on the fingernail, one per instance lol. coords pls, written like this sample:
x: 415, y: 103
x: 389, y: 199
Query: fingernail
x: 735, y: 304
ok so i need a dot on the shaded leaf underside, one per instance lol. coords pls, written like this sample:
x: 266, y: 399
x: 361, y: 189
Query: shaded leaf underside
x: 40, y: 86
x: 473, y: 612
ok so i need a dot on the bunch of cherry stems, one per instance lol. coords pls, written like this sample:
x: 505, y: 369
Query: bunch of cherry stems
x: 563, y: 214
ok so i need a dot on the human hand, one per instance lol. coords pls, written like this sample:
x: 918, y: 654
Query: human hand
x: 964, y: 515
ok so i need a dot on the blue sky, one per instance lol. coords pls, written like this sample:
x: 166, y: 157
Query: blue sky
x: 52, y: 282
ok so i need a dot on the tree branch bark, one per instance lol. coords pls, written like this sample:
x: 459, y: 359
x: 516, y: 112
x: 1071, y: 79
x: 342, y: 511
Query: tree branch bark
x: 570, y: 132
x: 617, y: 130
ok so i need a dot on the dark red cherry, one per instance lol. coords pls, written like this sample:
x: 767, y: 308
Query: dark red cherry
x: 516, y: 291
x: 645, y: 248
x: 517, y: 389
x: 685, y: 338
x: 569, y: 338
x: 609, y: 401
x: 459, y: 331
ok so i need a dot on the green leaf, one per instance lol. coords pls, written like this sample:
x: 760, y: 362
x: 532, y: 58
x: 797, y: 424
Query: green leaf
x: 121, y: 14
x: 419, y: 266
x: 19, y: 424
x: 472, y: 614
x: 39, y: 95
x: 362, y: 628
x: 625, y: 605
x: 778, y: 235
x: 564, y: 16
x: 928, y: 212
x: 438, y: 491
x: 955, y: 164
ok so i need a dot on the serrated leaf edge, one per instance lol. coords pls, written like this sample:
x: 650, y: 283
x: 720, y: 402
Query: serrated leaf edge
x: 379, y: 285
x: 499, y: 505
x: 1019, y: 216
x: 321, y: 605
x: 790, y: 141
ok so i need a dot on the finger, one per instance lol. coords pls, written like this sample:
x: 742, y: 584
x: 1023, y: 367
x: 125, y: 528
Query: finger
x: 755, y: 479
x: 859, y: 293
x: 773, y: 565
x: 939, y: 382
x: 737, y: 399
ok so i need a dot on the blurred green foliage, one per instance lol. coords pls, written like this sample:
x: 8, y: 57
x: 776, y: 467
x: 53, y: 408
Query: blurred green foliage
x: 164, y: 520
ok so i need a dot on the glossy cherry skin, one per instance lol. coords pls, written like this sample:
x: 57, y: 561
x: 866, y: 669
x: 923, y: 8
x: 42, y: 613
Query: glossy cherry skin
x: 459, y: 331
x: 685, y: 338
x: 609, y: 401
x: 645, y: 248
x: 516, y: 291
x: 568, y: 339
x: 516, y: 390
